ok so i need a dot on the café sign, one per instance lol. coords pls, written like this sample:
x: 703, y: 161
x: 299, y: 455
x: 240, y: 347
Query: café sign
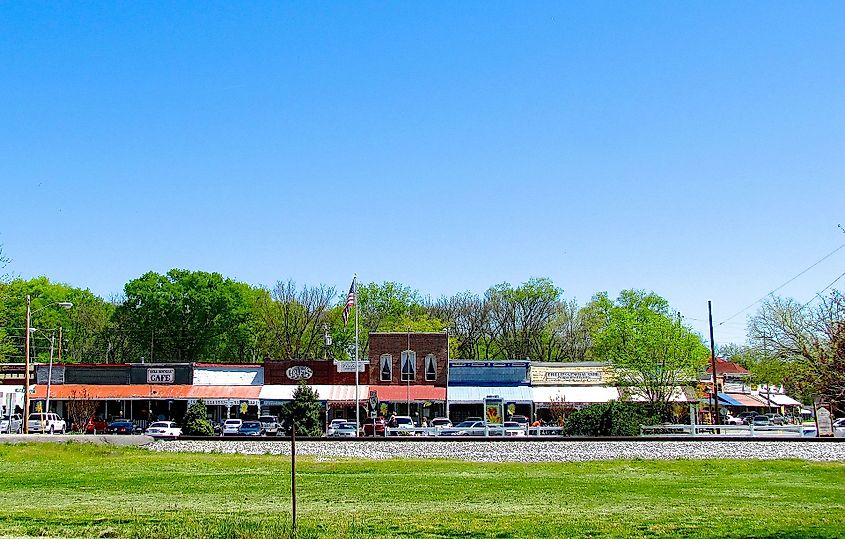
x: 160, y: 376
x: 299, y: 372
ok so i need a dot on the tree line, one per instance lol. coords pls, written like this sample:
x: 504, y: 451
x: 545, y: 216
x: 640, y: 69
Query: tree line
x: 189, y: 316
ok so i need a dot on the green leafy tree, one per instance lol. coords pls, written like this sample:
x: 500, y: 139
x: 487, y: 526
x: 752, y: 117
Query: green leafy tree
x: 652, y: 353
x: 195, y: 422
x: 189, y: 316
x: 304, y: 411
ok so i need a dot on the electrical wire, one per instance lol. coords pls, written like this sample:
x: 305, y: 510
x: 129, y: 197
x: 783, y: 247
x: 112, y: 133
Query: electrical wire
x: 825, y: 257
x: 819, y: 293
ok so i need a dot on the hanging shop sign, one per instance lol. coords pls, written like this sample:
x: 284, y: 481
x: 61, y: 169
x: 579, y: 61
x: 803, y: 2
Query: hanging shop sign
x: 161, y: 376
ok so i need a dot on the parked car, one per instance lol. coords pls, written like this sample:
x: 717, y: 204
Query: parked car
x: 374, y: 426
x: 345, y: 430
x: 405, y: 425
x: 231, y: 427
x: 776, y: 419
x: 465, y: 428
x: 514, y: 428
x: 270, y: 424
x: 48, y: 423
x: 95, y: 425
x: 122, y: 426
x: 11, y: 425
x: 250, y: 428
x: 731, y: 420
x: 440, y: 422
x: 164, y: 429
x: 474, y: 419
x: 334, y: 424
x: 521, y: 419
x: 746, y: 417
x: 760, y: 420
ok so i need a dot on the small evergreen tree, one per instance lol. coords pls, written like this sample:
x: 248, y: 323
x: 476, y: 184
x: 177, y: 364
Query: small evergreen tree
x: 196, y: 421
x: 304, y: 412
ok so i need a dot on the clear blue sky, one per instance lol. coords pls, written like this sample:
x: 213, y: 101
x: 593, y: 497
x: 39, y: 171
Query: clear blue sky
x: 696, y: 150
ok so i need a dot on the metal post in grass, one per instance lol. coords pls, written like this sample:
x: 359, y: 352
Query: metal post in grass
x: 293, y: 479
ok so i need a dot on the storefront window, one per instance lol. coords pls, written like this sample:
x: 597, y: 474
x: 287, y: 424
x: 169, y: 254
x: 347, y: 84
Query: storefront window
x: 386, y: 368
x: 430, y: 368
x: 409, y: 366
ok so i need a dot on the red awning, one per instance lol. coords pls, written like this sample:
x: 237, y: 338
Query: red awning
x: 144, y: 392
x: 414, y: 393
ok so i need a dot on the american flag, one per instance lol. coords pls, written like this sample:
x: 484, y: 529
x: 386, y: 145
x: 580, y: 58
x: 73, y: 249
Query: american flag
x: 350, y: 302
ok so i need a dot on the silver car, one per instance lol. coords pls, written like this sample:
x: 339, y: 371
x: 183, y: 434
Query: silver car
x: 13, y: 425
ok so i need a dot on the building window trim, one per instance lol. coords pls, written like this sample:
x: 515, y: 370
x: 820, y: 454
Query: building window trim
x: 430, y: 368
x: 408, y: 372
x: 386, y: 368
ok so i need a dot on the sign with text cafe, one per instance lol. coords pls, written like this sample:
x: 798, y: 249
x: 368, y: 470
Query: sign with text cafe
x: 572, y: 374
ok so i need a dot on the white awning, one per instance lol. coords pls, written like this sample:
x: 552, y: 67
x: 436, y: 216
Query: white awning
x: 232, y: 376
x: 780, y: 400
x: 575, y: 394
x: 678, y: 395
x: 330, y: 393
x: 476, y: 394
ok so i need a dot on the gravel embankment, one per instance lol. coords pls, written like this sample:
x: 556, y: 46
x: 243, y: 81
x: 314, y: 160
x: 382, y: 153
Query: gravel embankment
x: 540, y: 451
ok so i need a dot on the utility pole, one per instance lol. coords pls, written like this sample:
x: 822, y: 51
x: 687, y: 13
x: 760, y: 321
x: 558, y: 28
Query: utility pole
x: 715, y: 391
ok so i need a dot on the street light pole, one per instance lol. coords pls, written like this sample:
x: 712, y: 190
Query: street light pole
x: 29, y: 313
x: 26, y: 373
x: 447, y: 372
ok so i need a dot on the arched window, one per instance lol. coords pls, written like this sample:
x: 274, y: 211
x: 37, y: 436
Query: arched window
x: 430, y: 368
x: 409, y: 365
x: 386, y: 368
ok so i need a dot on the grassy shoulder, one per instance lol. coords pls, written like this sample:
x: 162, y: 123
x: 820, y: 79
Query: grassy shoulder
x: 99, y: 491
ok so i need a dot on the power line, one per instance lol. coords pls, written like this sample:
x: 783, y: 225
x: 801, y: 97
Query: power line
x: 819, y: 293
x: 825, y: 257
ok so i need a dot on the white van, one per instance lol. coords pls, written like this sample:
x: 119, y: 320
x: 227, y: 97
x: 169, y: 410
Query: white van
x: 48, y: 423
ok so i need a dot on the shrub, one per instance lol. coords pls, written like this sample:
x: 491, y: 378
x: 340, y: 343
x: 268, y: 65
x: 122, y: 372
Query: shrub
x: 196, y: 421
x: 608, y: 419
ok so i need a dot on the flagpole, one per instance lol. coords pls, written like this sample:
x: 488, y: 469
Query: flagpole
x: 357, y: 365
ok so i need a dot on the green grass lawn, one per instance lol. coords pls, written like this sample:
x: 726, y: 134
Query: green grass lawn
x: 97, y: 491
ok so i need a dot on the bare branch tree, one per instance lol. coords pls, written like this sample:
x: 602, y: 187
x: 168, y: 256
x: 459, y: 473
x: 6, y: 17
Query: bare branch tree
x: 810, y: 339
x: 293, y: 318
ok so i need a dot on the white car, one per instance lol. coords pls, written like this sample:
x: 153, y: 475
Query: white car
x: 345, y: 430
x: 334, y: 425
x: 164, y: 429
x: 48, y: 423
x: 232, y: 427
x: 13, y: 425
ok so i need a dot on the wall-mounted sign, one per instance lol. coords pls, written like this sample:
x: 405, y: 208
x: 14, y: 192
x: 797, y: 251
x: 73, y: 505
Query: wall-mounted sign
x: 160, y: 376
x: 349, y: 366
x: 563, y: 375
x: 299, y: 372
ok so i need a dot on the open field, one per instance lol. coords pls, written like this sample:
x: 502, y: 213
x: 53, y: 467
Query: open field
x: 103, y: 491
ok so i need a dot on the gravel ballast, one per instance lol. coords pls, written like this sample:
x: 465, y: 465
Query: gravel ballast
x: 540, y: 451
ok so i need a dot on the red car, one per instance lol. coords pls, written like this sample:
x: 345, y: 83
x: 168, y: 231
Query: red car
x: 96, y: 425
x: 377, y: 425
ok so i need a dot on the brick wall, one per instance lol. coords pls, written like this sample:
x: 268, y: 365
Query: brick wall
x: 395, y: 343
